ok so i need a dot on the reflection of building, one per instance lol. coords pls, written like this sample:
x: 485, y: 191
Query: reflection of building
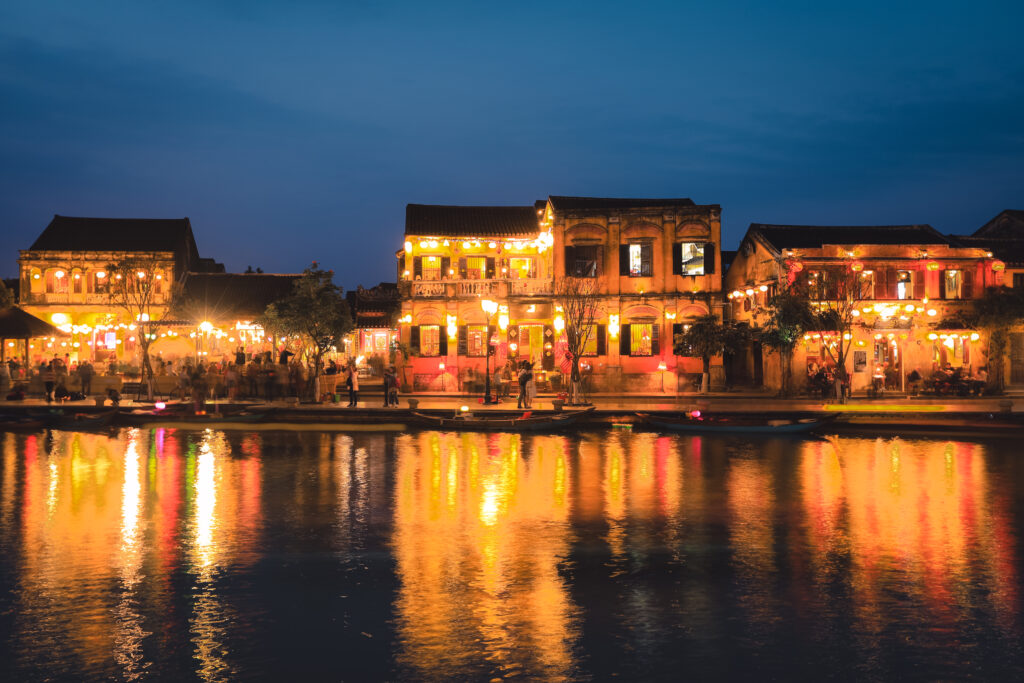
x: 919, y: 286
x: 654, y: 262
x: 64, y: 277
x: 374, y: 313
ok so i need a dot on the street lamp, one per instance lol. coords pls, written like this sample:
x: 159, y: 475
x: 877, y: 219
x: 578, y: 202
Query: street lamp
x: 490, y: 308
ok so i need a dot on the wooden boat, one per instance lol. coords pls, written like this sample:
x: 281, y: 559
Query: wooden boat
x: 72, y: 421
x: 531, y: 423
x: 734, y: 425
x: 145, y: 417
x: 19, y: 423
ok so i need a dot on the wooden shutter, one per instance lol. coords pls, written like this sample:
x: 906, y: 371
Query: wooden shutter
x: 490, y: 268
x: 624, y: 259
x: 602, y: 343
x: 942, y: 284
x: 677, y: 258
x: 599, y: 260
x: 446, y: 265
x: 462, y: 267
x: 417, y: 267
x: 880, y: 286
x: 892, y: 283
x: 442, y: 339
x: 647, y: 259
x: 655, y: 338
x: 548, y: 359
x: 463, y: 349
x: 967, y: 289
x: 677, y: 329
x: 919, y: 284
x: 414, y: 339
x: 570, y: 260
x: 624, y: 349
x: 709, y: 258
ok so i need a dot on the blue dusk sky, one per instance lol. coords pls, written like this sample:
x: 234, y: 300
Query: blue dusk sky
x: 293, y: 131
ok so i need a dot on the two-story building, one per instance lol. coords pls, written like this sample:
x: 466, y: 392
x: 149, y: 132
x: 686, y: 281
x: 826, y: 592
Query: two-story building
x: 918, y: 287
x: 64, y: 276
x: 655, y: 263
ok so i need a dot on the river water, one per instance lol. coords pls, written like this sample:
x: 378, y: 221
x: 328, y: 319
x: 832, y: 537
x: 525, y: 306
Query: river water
x: 186, y: 555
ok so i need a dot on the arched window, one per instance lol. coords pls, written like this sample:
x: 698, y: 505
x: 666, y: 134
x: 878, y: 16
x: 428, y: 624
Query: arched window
x: 77, y: 281
x: 56, y: 281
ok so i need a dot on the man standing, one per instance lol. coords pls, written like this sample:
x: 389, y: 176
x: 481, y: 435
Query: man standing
x: 85, y: 373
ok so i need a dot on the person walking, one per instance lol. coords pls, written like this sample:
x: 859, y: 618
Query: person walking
x: 523, y: 378
x: 531, y: 386
x: 352, y: 382
x: 85, y: 373
x: 49, y: 377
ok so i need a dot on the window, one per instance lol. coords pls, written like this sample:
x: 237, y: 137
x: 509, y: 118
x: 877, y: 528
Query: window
x: 640, y: 339
x: 430, y: 340
x: 904, y: 285
x: 691, y: 258
x: 1018, y: 280
x: 431, y: 268
x: 476, y: 340
x: 640, y: 257
x: 582, y: 261
x: 97, y: 282
x: 76, y: 283
x: 521, y: 268
x: 951, y: 281
x: 56, y: 281
x: 476, y: 267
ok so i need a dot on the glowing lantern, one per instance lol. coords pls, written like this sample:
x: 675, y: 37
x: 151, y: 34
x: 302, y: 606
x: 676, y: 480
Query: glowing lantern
x: 559, y: 324
x: 932, y: 265
x: 998, y: 265
x: 58, y: 274
x: 932, y: 312
x: 857, y: 266
x: 613, y: 325
x: 975, y: 336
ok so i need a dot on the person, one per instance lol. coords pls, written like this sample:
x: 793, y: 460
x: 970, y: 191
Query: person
x: 49, y: 378
x: 5, y: 379
x: 531, y: 387
x: 199, y: 388
x: 285, y: 356
x: 524, y: 380
x: 393, y: 392
x: 979, y: 381
x: 389, y: 380
x: 231, y: 379
x: 914, y: 379
x: 240, y: 357
x: 352, y: 382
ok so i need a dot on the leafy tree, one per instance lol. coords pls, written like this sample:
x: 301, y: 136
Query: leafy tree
x: 578, y: 298
x: 789, y: 316
x: 834, y: 294
x: 136, y: 286
x: 998, y: 310
x: 316, y: 312
x: 707, y: 337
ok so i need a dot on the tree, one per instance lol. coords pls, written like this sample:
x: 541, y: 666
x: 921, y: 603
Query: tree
x: 578, y: 299
x: 137, y: 286
x: 707, y: 337
x: 789, y: 316
x: 998, y: 310
x: 316, y: 312
x: 835, y: 293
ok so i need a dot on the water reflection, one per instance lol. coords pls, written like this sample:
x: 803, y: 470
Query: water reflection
x: 170, y: 554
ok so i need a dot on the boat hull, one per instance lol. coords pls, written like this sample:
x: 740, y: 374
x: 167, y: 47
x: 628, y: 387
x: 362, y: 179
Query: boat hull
x: 725, y: 426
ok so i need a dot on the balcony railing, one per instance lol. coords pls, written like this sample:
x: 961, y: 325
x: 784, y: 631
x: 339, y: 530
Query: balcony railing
x: 527, y: 287
x: 428, y: 289
x: 476, y: 288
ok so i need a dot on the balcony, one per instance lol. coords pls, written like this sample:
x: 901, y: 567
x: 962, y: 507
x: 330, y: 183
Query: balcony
x: 435, y: 289
x: 469, y: 288
x: 428, y: 289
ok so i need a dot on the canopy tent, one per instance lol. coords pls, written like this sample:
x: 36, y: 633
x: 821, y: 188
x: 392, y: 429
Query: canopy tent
x: 17, y: 324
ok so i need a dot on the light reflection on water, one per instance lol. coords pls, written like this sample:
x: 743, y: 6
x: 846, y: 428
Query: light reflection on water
x: 210, y: 555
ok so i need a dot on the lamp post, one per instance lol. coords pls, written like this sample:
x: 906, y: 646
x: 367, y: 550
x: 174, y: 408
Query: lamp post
x: 490, y: 308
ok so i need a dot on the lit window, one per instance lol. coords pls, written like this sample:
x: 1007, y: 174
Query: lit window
x: 521, y: 268
x: 952, y: 279
x: 431, y: 267
x: 430, y: 340
x: 590, y: 347
x: 904, y: 285
x: 640, y: 339
x: 476, y: 340
x: 640, y: 260
x: 581, y: 261
x: 692, y: 255
x: 476, y: 267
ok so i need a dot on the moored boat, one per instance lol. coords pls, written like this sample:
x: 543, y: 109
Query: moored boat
x: 688, y: 422
x: 145, y: 417
x: 71, y: 421
x: 525, y: 423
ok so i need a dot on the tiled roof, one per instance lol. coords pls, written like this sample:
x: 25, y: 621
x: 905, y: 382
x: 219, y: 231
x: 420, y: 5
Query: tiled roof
x: 232, y: 296
x: 815, y: 236
x: 470, y: 221
x: 116, y: 234
x: 1009, y: 224
x: 1008, y: 250
x: 615, y: 204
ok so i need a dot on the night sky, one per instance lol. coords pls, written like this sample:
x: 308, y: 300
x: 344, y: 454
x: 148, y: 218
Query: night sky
x: 293, y: 131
